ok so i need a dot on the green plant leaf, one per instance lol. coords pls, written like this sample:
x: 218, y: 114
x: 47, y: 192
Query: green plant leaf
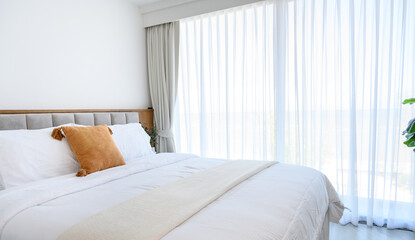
x: 409, y: 101
x: 410, y: 135
x: 410, y: 142
x: 410, y: 128
x: 153, y: 135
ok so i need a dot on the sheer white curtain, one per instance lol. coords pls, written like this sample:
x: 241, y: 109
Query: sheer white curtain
x: 350, y: 65
x: 226, y: 88
x: 311, y: 82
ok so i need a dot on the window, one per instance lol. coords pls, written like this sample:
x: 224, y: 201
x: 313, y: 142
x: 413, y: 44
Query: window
x: 315, y: 83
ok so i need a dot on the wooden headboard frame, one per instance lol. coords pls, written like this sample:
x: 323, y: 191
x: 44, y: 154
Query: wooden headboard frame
x: 145, y: 115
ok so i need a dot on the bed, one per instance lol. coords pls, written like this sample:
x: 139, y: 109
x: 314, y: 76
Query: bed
x: 280, y: 201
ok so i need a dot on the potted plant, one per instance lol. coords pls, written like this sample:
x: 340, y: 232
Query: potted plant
x: 410, y: 130
x: 152, y: 132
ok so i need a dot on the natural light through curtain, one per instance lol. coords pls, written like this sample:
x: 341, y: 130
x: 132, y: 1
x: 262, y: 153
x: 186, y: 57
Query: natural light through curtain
x: 226, y: 88
x: 342, y: 69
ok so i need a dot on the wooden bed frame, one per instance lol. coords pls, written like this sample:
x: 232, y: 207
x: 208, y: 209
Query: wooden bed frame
x: 145, y: 115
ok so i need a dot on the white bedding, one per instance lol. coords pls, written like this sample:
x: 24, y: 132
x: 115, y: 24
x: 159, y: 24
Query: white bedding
x: 281, y: 202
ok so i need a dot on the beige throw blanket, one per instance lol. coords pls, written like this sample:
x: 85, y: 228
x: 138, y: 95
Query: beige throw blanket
x: 153, y: 214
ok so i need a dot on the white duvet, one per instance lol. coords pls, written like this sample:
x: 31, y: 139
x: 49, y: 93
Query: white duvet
x: 281, y: 202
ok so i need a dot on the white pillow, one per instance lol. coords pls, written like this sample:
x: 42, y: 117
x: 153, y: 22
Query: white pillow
x: 32, y: 155
x: 132, y: 141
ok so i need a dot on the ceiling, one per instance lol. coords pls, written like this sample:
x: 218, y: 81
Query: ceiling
x: 144, y: 2
x: 147, y: 6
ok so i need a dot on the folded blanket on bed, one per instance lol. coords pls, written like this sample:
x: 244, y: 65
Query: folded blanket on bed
x: 153, y: 214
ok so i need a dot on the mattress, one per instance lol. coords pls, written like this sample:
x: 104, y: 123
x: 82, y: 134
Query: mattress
x: 281, y: 202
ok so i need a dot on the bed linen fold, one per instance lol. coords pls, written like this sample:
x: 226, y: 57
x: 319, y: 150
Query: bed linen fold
x: 153, y: 214
x: 282, y: 202
x: 15, y: 200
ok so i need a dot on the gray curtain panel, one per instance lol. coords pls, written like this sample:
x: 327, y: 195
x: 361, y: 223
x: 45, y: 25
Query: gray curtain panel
x: 163, y: 61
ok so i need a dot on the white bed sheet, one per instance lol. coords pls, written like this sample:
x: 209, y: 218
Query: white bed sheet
x: 281, y: 202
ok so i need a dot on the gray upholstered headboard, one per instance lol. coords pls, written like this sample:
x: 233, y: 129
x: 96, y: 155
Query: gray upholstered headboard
x: 45, y: 120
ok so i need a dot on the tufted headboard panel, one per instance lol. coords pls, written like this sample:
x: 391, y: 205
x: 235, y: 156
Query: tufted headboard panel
x: 13, y: 120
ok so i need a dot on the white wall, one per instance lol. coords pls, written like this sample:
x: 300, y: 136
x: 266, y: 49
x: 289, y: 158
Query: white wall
x: 70, y: 54
x: 173, y: 10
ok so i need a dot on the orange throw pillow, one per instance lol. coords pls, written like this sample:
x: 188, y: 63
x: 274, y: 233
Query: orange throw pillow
x: 93, y: 146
